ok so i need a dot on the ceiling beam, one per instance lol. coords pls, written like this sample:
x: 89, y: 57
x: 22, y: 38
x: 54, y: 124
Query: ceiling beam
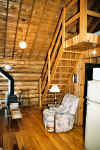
x: 13, y: 51
x: 30, y: 20
x: 6, y: 28
x: 29, y: 24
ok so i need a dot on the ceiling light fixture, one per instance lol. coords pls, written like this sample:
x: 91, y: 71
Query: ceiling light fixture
x: 8, y: 67
x: 23, y: 44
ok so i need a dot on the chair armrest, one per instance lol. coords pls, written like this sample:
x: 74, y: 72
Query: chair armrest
x: 63, y: 121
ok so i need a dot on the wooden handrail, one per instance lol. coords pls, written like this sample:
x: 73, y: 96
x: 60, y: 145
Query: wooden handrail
x: 44, y: 81
x: 47, y: 75
x: 49, y: 66
x: 71, y: 20
x: 51, y: 55
x: 63, y: 27
x: 40, y: 101
x: 56, y: 33
x: 55, y: 49
x: 53, y: 69
x: 44, y: 70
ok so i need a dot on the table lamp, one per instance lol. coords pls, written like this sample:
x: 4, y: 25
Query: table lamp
x: 54, y: 89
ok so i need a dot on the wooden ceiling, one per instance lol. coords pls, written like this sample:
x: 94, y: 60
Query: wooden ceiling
x: 33, y: 21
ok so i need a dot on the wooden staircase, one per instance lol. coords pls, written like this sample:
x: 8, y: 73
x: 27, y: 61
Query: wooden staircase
x: 65, y: 50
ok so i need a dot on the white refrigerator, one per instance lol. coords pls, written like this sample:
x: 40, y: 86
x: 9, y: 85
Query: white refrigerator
x: 92, y: 128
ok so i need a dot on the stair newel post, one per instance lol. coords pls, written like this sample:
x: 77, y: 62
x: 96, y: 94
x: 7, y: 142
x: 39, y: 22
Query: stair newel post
x: 83, y: 17
x: 63, y: 27
x: 40, y: 94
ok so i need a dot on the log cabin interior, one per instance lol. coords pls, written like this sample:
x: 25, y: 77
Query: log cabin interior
x: 45, y: 43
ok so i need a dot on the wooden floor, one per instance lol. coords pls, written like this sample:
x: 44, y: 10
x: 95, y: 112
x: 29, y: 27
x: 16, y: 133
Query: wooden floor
x: 29, y: 134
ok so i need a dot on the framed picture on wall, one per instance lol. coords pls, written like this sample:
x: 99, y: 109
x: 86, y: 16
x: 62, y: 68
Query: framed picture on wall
x: 75, y: 78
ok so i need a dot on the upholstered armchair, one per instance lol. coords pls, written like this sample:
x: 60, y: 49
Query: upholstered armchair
x: 61, y: 119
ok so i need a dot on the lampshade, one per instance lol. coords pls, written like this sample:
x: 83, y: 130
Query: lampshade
x: 23, y: 44
x: 54, y: 89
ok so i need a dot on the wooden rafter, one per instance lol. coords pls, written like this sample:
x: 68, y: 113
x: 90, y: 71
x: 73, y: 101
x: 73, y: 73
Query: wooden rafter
x: 6, y: 27
x: 30, y: 20
x: 28, y: 27
x: 20, y: 5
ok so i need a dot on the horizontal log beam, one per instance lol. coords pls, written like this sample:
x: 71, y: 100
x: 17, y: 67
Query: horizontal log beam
x: 93, y: 13
x: 21, y: 61
x: 60, y: 72
x: 73, y: 52
x: 69, y: 59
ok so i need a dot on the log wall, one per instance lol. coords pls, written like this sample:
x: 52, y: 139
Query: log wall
x: 26, y: 76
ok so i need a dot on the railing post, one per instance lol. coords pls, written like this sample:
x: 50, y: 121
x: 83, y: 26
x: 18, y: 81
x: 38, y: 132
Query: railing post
x: 40, y: 96
x: 63, y: 27
x: 49, y: 66
x: 83, y: 16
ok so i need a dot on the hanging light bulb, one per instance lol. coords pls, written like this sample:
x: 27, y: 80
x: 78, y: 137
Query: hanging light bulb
x: 23, y: 44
